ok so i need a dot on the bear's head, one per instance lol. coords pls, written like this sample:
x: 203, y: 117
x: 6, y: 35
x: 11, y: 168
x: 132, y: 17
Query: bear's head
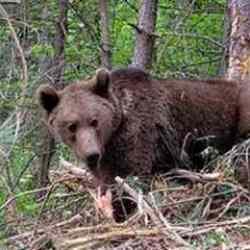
x: 83, y: 115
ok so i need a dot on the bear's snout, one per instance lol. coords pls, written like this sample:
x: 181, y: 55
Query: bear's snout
x: 88, y: 148
x: 93, y: 160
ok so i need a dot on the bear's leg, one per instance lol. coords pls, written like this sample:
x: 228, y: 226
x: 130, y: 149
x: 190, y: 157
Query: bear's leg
x: 194, y: 151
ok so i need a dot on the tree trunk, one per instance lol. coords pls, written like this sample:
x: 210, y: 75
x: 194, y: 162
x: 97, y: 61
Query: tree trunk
x: 144, y: 34
x: 239, y: 49
x: 61, y: 30
x: 105, y: 41
x: 44, y: 60
x: 239, y: 68
x: 56, y: 74
x: 46, y: 143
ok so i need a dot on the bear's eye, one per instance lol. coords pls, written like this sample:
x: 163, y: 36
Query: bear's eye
x: 72, y: 127
x: 94, y: 123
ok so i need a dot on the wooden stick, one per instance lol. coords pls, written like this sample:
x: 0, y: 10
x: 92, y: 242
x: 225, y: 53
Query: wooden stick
x: 168, y: 229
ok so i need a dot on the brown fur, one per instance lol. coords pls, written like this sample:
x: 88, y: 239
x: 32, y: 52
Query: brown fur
x: 137, y: 125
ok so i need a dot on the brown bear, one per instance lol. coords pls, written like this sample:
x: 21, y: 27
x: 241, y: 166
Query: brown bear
x: 126, y: 123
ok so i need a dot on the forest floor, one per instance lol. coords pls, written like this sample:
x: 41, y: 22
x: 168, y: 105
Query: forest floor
x: 180, y: 210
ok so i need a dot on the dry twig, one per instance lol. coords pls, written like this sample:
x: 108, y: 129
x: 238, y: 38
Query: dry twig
x: 168, y: 230
x: 197, y: 177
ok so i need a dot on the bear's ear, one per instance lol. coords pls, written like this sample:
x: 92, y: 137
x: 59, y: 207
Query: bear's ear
x: 48, y: 97
x: 102, y: 81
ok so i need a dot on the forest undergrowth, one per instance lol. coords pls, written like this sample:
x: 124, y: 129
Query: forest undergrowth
x: 208, y: 209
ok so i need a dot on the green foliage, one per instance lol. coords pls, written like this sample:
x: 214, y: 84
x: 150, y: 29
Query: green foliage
x: 27, y: 205
x: 41, y: 50
x: 215, y: 238
x: 123, y: 34
x: 190, y: 42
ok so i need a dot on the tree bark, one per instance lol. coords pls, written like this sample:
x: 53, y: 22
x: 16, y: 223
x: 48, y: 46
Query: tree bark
x: 239, y: 48
x: 44, y: 60
x: 61, y: 32
x: 56, y: 75
x: 239, y: 69
x: 144, y: 35
x: 46, y: 142
x: 105, y: 40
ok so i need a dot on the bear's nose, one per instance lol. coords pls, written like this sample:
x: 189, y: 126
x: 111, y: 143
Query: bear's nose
x: 92, y: 160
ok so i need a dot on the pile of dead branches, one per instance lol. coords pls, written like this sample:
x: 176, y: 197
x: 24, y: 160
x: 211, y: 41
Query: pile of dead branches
x: 181, y: 210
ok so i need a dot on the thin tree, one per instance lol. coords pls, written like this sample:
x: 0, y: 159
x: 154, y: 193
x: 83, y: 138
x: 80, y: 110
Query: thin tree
x: 105, y: 39
x: 56, y: 77
x: 145, y: 34
x: 239, y: 48
x: 59, y: 45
